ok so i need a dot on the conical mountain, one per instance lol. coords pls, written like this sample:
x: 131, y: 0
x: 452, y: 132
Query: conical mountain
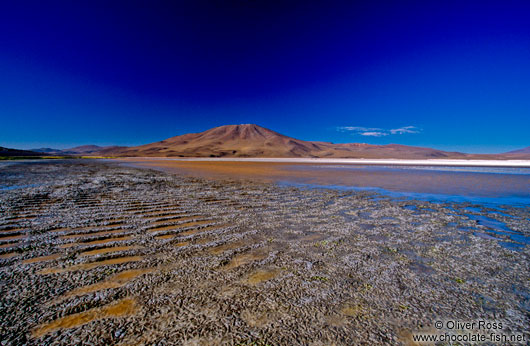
x: 246, y: 140
x: 250, y: 140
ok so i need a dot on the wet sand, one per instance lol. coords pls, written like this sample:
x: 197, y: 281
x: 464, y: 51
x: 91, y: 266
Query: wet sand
x: 259, y: 263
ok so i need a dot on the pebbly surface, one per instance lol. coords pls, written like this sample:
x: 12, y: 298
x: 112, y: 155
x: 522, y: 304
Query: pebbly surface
x: 95, y: 253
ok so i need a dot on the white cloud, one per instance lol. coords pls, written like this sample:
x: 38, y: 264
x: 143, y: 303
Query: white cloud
x: 378, y: 132
x: 374, y: 133
x: 406, y: 129
x: 356, y: 128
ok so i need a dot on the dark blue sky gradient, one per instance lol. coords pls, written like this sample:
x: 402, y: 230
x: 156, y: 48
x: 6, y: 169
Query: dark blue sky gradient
x: 135, y: 72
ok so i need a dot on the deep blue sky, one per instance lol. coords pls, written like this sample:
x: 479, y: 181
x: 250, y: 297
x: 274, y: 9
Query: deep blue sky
x: 453, y: 75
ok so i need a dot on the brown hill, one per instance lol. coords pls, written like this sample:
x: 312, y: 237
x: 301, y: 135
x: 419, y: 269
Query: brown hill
x: 225, y: 141
x: 251, y: 140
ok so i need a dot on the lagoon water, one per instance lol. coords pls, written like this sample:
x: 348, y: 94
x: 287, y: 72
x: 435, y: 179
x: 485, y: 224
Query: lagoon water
x: 498, y: 185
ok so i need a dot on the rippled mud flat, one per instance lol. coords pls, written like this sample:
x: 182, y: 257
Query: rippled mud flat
x: 95, y: 254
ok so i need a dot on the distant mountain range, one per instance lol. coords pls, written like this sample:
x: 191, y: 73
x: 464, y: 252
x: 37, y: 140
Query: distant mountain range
x: 8, y: 152
x: 84, y: 150
x: 249, y: 140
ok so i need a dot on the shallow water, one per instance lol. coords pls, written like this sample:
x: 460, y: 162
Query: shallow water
x: 498, y: 228
x: 499, y: 185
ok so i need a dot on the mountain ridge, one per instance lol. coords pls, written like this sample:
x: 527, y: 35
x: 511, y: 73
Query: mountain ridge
x: 251, y: 140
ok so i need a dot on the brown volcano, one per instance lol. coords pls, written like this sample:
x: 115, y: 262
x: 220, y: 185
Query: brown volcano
x: 226, y: 141
x: 249, y: 140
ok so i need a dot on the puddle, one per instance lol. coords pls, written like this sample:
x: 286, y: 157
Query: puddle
x: 511, y: 246
x: 499, y: 228
x: 42, y: 258
x: 181, y: 244
x: 108, y: 250
x: 91, y: 265
x: 245, y: 258
x: 225, y: 247
x: 262, y: 275
x: 504, y: 214
x: 94, y: 234
x: 411, y: 207
x: 124, y: 307
x: 115, y: 281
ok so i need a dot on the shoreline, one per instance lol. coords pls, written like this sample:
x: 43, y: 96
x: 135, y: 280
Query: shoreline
x: 400, y: 162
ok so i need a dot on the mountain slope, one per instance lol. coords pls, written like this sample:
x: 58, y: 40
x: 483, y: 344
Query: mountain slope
x: 520, y: 151
x: 521, y: 154
x: 251, y: 140
x: 230, y: 140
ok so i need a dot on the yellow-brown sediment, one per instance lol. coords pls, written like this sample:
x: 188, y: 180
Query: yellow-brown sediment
x: 42, y: 258
x: 91, y: 265
x: 123, y: 307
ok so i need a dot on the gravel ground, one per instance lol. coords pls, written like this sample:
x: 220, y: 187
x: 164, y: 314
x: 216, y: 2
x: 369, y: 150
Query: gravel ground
x: 96, y: 253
